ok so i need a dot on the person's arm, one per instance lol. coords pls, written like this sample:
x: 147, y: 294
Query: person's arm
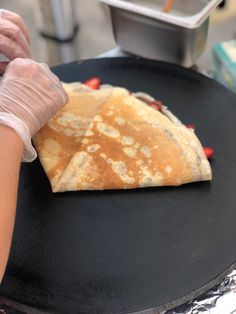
x: 11, y: 149
x: 14, y: 43
x: 30, y: 94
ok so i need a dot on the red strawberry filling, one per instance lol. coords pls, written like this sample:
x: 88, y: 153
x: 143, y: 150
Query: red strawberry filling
x: 209, y: 152
x: 93, y: 82
x: 191, y: 126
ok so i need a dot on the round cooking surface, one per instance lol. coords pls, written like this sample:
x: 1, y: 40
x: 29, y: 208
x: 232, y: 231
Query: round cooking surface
x: 126, y: 251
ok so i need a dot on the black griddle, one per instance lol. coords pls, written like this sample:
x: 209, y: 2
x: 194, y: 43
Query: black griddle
x: 126, y: 251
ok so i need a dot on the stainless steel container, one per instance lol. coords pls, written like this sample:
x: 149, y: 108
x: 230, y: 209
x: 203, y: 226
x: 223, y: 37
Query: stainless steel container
x: 141, y: 28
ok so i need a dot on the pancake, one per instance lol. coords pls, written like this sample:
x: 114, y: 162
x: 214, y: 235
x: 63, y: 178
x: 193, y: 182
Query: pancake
x: 110, y: 139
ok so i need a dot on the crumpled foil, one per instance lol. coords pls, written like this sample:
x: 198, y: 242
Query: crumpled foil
x: 219, y: 300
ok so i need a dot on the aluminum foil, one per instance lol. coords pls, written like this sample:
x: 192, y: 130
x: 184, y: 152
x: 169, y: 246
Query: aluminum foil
x: 219, y: 300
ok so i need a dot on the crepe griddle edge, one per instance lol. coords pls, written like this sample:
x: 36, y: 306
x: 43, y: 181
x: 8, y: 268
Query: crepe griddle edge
x: 126, y: 251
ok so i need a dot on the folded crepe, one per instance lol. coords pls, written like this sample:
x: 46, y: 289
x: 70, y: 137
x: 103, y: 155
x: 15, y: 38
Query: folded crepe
x: 110, y: 139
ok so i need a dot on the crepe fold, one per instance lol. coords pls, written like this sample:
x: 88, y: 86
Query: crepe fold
x: 109, y: 139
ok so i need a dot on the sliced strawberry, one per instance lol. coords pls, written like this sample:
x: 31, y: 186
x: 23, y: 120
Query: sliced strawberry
x: 209, y: 152
x: 93, y: 83
x: 191, y: 126
x: 153, y: 103
x: 156, y: 105
x: 144, y: 99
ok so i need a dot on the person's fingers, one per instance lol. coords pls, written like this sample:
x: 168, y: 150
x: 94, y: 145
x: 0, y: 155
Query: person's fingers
x: 48, y: 71
x: 11, y: 49
x: 3, y: 66
x: 63, y: 94
x: 31, y: 92
x: 16, y: 19
x: 49, y: 81
x: 12, y: 31
x: 57, y: 84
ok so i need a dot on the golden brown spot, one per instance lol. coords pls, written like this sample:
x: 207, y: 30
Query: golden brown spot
x: 127, y: 140
x: 130, y: 151
x: 93, y: 148
x: 119, y: 120
x: 146, y: 151
x: 108, y: 130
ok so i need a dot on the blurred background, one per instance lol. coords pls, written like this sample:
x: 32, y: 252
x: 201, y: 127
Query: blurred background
x: 94, y: 34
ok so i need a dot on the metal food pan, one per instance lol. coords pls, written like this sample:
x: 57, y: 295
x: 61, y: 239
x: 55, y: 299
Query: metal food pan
x: 141, y: 28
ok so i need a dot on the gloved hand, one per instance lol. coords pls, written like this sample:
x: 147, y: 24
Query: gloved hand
x: 30, y: 94
x: 14, y: 37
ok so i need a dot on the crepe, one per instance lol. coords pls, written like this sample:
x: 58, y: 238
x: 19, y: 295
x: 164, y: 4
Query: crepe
x: 109, y: 139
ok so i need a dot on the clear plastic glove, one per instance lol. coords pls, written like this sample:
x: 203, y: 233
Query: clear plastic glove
x: 14, y: 37
x: 30, y: 94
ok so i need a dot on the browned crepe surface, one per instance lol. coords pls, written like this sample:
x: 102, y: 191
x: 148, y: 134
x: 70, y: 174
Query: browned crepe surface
x: 108, y: 139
